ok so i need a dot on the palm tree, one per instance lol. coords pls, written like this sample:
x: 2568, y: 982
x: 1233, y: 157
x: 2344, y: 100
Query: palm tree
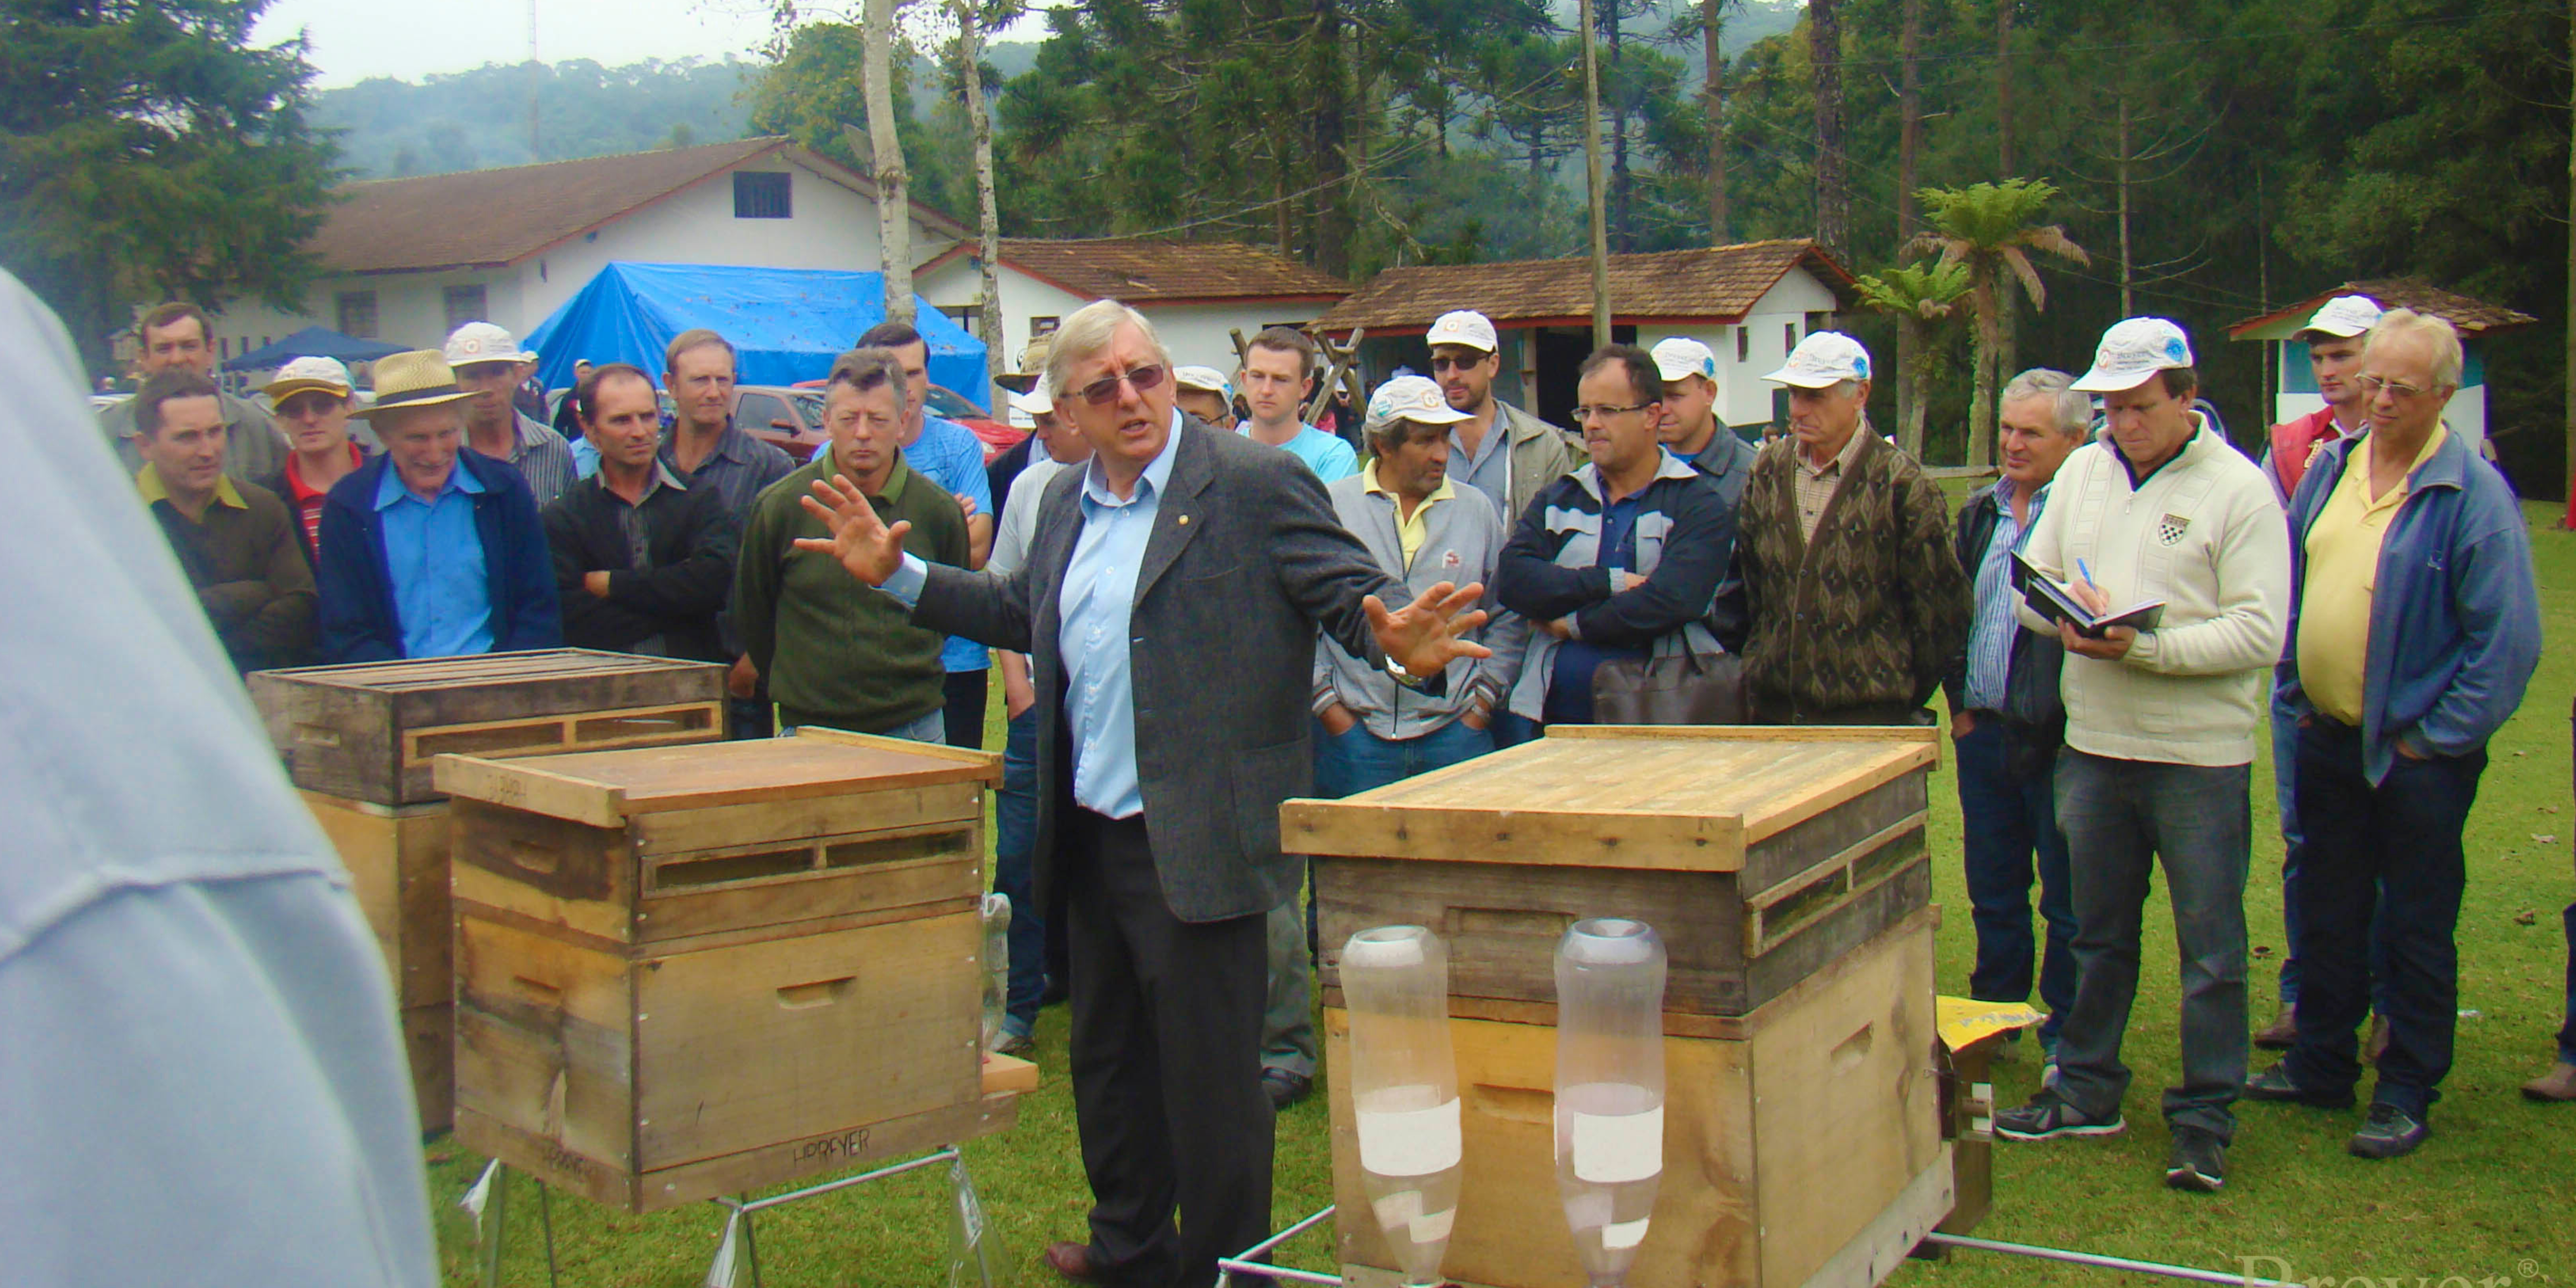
x: 1925, y: 299
x: 1991, y: 229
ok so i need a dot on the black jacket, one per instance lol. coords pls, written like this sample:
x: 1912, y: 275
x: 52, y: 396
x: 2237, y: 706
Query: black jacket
x: 2034, y: 710
x: 691, y: 538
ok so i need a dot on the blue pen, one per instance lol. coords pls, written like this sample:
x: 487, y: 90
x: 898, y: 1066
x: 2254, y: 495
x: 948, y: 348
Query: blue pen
x: 2087, y: 572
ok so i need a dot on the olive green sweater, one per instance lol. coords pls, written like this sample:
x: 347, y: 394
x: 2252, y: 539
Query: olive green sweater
x: 1874, y: 612
x: 836, y: 651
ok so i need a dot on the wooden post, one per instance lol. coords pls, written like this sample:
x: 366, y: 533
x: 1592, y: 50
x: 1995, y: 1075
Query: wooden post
x: 1341, y: 364
x: 1592, y: 180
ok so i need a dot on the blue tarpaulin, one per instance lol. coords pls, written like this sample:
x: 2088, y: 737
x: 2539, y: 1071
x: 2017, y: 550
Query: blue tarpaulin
x: 312, y: 342
x: 786, y: 324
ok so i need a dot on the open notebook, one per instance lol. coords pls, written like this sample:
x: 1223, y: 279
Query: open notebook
x: 2056, y: 601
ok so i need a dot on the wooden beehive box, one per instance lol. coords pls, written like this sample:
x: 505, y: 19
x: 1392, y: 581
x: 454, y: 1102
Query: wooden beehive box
x: 1758, y: 854
x: 371, y: 731
x: 689, y: 971
x: 397, y: 861
x: 1785, y: 871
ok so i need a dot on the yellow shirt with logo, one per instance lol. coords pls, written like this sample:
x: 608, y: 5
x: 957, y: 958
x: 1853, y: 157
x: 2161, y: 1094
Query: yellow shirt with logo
x: 2343, y: 574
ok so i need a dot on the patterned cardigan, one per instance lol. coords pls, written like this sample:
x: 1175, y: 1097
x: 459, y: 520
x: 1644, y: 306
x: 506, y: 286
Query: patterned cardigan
x: 1875, y: 613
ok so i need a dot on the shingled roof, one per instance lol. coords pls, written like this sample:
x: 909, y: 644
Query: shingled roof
x: 2473, y: 318
x: 1716, y: 284
x: 1143, y: 271
x: 491, y: 218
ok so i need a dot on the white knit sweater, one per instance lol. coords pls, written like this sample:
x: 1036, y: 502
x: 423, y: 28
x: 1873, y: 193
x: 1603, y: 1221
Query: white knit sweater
x: 2205, y: 535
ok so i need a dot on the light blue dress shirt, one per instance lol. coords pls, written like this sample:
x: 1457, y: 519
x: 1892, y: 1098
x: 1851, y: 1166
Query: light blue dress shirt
x: 442, y: 594
x: 1326, y: 454
x: 1991, y: 630
x: 1096, y: 601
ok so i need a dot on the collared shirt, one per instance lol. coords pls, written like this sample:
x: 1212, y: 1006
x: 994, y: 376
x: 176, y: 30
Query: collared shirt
x: 1096, y: 601
x: 953, y: 458
x: 1410, y: 531
x: 1991, y: 630
x: 434, y: 553
x: 630, y: 514
x: 1815, y: 484
x: 147, y: 481
x: 739, y: 469
x: 1327, y: 455
x: 253, y: 447
x: 542, y: 457
x: 2342, y: 578
x: 1488, y: 469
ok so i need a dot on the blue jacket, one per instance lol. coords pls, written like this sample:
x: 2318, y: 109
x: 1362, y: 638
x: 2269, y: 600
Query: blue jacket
x: 2455, y: 619
x: 359, y: 622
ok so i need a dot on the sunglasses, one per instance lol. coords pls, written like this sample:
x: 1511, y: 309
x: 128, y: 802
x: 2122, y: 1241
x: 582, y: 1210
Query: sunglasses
x: 301, y: 406
x: 1104, y: 391
x: 1458, y: 364
x: 2376, y: 384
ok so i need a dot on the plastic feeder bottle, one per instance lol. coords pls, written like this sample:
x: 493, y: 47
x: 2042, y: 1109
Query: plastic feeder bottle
x: 1609, y: 1088
x: 1404, y: 1089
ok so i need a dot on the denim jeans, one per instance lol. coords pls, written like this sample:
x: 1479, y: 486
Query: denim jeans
x: 2121, y: 817
x: 2010, y: 822
x: 1015, y: 827
x: 927, y: 728
x: 1511, y: 730
x: 2567, y: 1031
x: 2394, y: 847
x: 1354, y: 762
x: 2294, y: 845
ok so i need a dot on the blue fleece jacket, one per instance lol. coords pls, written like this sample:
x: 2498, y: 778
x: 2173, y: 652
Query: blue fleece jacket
x: 359, y: 621
x: 2455, y: 618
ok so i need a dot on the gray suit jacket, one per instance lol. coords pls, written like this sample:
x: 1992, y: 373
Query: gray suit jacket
x: 1245, y: 560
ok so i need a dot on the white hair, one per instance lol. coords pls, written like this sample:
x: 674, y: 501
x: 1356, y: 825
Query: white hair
x: 1090, y: 329
x: 2074, y: 410
x: 2437, y: 335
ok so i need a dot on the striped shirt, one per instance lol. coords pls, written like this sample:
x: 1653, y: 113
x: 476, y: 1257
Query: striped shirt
x: 1990, y: 632
x: 543, y: 458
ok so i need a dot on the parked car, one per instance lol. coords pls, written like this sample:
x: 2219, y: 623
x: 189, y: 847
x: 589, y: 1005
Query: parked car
x: 996, y: 436
x: 788, y: 418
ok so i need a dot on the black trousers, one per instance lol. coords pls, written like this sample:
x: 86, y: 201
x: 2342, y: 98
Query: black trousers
x: 1166, y: 1065
x: 965, y: 692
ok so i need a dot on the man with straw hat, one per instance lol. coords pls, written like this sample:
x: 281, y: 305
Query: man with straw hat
x: 429, y: 551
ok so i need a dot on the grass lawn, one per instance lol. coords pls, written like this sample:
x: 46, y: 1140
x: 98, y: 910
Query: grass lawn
x: 2478, y: 1201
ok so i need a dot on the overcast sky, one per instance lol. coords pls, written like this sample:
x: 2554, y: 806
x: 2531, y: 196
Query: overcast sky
x: 356, y: 39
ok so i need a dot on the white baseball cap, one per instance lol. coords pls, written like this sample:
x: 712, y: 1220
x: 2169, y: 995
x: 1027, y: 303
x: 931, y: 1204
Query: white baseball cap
x: 2344, y: 317
x: 304, y: 374
x: 2132, y: 350
x: 1821, y: 361
x: 1413, y: 398
x: 1026, y: 408
x: 1204, y: 379
x: 1678, y: 356
x: 1467, y: 327
x: 484, y: 342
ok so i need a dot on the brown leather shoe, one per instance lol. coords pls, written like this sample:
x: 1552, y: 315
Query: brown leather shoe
x: 2377, y: 1045
x: 2557, y: 1084
x: 1071, y: 1260
x: 2282, y: 1034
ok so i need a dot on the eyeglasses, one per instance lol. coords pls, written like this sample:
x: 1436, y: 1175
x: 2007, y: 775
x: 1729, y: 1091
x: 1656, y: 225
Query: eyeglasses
x: 1457, y: 364
x: 1104, y: 391
x: 304, y: 405
x: 2398, y: 387
x: 1584, y: 415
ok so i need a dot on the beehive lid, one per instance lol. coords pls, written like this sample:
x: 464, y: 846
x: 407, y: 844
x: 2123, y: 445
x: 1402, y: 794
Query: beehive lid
x: 481, y: 670
x: 605, y: 788
x: 1615, y: 796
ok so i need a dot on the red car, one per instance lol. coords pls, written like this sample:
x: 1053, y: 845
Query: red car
x: 792, y: 418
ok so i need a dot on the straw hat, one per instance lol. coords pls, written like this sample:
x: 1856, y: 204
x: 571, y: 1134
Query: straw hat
x: 414, y: 378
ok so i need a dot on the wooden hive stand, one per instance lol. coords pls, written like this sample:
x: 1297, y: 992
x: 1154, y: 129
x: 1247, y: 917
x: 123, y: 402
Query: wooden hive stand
x: 359, y: 741
x: 687, y: 972
x: 1785, y: 871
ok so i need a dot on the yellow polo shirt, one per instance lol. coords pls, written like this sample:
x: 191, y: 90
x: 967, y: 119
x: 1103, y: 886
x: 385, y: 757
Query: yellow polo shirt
x: 1411, y: 533
x: 2343, y: 573
x: 147, y: 481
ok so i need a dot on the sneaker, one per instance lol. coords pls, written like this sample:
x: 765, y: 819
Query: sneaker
x: 1018, y: 1046
x: 2557, y: 1084
x: 2282, y: 1034
x: 2276, y: 1083
x: 2047, y: 1116
x: 2198, y: 1161
x: 2387, y: 1133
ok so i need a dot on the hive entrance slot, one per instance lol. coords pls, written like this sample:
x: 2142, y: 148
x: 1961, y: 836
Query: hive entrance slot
x: 644, y: 724
x: 731, y: 867
x: 893, y: 849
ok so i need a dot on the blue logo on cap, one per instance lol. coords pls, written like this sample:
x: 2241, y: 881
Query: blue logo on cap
x: 1860, y: 366
x: 2174, y: 348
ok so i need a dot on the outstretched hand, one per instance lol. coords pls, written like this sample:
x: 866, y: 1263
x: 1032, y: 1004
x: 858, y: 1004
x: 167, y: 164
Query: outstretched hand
x: 1422, y: 637
x: 864, y: 544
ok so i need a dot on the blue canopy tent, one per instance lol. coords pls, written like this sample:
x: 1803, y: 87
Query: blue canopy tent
x: 786, y: 324
x: 312, y: 342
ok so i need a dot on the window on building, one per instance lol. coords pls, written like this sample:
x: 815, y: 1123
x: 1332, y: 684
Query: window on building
x: 965, y: 315
x: 1744, y: 344
x: 1818, y: 322
x: 465, y: 304
x: 223, y: 346
x: 762, y: 194
x: 358, y: 314
x: 1788, y: 337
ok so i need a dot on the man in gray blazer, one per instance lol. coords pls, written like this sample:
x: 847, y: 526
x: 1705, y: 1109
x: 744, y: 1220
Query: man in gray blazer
x: 1169, y: 606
